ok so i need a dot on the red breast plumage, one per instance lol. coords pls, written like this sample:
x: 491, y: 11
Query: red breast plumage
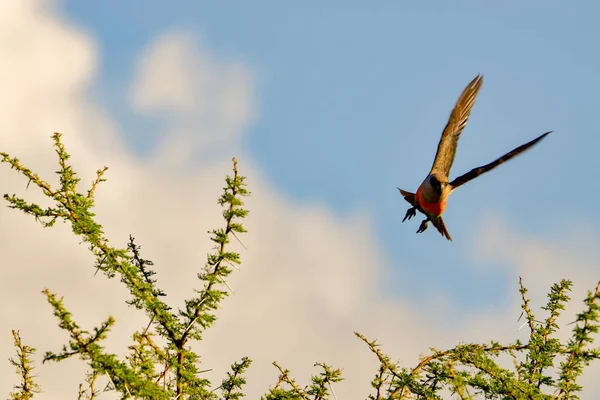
x: 436, y: 209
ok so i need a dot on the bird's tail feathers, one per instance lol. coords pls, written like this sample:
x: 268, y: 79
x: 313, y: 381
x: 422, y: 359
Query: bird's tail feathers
x: 408, y: 196
x: 438, y: 222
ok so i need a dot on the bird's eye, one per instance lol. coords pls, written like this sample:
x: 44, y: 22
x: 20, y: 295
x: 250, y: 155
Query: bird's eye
x: 436, y: 184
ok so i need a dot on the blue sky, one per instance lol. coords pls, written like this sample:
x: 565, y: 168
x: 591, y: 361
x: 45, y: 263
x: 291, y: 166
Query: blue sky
x: 351, y: 100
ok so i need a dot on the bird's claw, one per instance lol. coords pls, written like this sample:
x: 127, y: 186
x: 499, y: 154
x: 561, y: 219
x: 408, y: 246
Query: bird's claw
x: 411, y: 212
x: 423, y: 226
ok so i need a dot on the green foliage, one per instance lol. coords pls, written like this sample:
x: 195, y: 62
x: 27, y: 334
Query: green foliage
x: 161, y: 365
x: 232, y: 385
x: 151, y: 370
x: 24, y: 365
x: 472, y: 370
x: 318, y: 390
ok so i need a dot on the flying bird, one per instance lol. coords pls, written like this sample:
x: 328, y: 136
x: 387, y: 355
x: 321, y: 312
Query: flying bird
x: 433, y: 193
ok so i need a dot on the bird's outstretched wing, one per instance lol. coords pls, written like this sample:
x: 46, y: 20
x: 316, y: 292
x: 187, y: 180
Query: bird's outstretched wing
x: 456, y: 123
x: 438, y: 222
x: 475, y: 172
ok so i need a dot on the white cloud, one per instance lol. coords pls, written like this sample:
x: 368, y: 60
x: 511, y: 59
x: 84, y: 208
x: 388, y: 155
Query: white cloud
x: 308, y: 279
x: 541, y: 261
x: 207, y: 99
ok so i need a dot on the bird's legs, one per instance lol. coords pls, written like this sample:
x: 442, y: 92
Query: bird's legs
x: 423, y: 225
x: 411, y: 212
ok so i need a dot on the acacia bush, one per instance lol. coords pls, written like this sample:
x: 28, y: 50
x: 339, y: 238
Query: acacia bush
x: 161, y: 365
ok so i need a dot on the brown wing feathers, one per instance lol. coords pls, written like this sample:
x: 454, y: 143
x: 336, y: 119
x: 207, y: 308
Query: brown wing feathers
x: 456, y: 123
x: 475, y: 172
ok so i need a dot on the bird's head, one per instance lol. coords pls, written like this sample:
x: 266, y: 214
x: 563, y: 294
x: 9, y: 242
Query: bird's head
x: 438, y: 183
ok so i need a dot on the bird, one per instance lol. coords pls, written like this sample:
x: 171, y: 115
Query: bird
x: 431, y: 196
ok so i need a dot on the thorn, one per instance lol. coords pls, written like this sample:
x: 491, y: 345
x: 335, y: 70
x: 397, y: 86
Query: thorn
x: 227, y: 284
x: 238, y: 239
x: 110, y: 385
x: 149, y: 324
x: 332, y: 391
x: 521, y: 327
x: 232, y: 265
